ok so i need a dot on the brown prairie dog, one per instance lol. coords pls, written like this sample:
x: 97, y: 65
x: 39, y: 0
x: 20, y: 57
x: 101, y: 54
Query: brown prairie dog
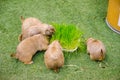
x: 96, y: 49
x: 28, y: 47
x: 53, y: 57
x: 32, y: 26
x: 31, y: 21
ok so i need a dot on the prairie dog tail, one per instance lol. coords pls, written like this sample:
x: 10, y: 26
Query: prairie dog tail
x: 20, y: 37
x: 22, y: 19
x: 13, y: 55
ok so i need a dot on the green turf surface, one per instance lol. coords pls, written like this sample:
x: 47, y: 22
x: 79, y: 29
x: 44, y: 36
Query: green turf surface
x: 89, y: 15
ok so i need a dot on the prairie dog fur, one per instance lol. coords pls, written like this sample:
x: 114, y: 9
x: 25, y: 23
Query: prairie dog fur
x: 28, y: 47
x: 96, y: 49
x: 32, y: 26
x: 53, y: 57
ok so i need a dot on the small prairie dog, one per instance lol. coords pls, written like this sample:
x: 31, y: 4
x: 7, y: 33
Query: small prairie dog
x: 96, y: 49
x: 32, y: 26
x: 31, y: 21
x: 28, y: 47
x: 53, y: 57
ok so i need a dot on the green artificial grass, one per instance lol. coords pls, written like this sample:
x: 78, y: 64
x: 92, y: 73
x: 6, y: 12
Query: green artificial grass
x: 68, y: 35
x: 88, y: 15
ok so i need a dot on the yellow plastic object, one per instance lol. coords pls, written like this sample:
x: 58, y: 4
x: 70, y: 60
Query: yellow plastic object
x: 113, y: 15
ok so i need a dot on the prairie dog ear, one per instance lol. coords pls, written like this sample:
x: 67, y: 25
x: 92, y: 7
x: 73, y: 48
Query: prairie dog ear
x: 20, y: 37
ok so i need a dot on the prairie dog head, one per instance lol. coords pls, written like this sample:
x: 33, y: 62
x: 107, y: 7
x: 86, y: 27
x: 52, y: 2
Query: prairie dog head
x: 48, y: 29
x: 96, y: 49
